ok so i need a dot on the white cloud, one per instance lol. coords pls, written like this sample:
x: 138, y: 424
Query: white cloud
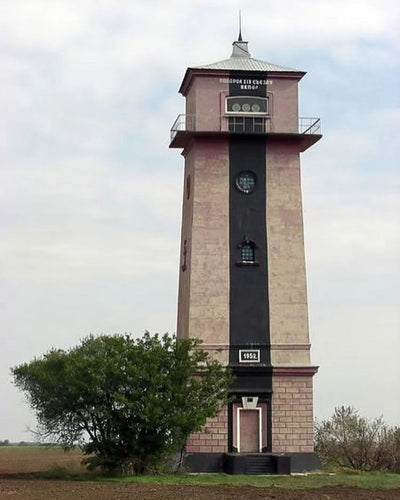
x: 352, y: 206
x: 79, y: 219
x: 40, y: 25
x: 356, y: 346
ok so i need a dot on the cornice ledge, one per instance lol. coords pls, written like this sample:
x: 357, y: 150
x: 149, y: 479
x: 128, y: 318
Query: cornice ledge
x: 294, y: 371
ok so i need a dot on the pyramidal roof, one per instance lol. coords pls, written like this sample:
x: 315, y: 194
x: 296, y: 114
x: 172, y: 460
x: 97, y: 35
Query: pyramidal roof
x: 241, y: 60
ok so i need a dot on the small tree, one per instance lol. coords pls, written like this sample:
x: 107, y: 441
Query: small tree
x: 349, y: 440
x: 128, y: 402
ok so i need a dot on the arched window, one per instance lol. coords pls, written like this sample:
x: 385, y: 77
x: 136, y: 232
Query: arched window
x: 247, y: 252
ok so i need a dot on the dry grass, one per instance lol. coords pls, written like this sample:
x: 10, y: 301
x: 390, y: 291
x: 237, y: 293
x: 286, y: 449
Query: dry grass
x: 26, y: 459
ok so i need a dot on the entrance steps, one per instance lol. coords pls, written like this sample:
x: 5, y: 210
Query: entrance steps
x: 250, y: 463
x: 260, y: 464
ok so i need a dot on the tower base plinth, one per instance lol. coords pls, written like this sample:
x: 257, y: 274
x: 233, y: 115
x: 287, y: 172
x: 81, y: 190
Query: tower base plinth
x: 252, y: 463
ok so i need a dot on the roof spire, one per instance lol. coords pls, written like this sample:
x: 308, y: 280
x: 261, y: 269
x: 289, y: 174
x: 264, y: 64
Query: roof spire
x: 240, y: 48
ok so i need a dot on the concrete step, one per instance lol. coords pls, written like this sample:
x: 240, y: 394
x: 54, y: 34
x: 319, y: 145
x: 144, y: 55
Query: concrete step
x: 250, y: 463
x: 260, y: 464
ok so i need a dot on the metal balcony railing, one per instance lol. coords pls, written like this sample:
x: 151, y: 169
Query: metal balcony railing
x: 183, y: 123
x: 308, y: 125
x: 248, y: 124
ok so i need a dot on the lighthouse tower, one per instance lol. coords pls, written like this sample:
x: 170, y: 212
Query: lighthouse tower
x: 242, y: 286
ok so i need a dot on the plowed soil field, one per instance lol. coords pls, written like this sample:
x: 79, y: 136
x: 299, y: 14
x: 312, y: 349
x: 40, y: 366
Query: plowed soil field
x: 63, y: 490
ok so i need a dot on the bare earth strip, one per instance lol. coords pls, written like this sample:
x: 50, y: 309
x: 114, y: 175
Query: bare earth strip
x: 62, y: 490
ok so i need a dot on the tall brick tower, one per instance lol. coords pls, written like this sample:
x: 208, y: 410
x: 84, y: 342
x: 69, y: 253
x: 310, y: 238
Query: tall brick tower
x: 242, y: 287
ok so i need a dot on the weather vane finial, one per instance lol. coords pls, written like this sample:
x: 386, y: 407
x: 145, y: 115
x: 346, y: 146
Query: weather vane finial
x: 240, y: 39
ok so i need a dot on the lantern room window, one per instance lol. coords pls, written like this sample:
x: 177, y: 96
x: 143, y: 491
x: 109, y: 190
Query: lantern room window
x: 247, y: 105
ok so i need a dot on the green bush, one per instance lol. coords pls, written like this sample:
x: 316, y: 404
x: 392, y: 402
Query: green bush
x: 130, y: 403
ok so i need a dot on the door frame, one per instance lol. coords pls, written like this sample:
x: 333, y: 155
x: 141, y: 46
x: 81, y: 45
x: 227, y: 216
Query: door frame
x: 238, y: 410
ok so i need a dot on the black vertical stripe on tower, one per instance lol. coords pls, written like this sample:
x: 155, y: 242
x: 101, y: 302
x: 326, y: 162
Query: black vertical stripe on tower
x: 249, y: 308
x: 247, y: 84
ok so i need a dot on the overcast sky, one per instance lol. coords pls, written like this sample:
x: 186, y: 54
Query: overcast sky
x: 90, y: 194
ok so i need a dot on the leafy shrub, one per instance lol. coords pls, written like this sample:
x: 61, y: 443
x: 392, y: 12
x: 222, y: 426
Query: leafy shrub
x: 129, y: 402
x: 349, y: 440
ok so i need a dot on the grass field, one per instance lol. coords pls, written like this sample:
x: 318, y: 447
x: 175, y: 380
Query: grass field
x: 53, y: 462
x: 367, y: 480
x: 27, y: 459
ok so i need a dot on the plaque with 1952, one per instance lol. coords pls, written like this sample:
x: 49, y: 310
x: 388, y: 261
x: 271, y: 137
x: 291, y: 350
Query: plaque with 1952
x: 249, y: 355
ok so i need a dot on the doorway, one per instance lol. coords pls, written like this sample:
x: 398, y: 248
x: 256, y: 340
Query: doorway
x: 249, y: 435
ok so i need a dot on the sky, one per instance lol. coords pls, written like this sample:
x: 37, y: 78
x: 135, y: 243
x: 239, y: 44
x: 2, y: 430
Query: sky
x: 90, y: 193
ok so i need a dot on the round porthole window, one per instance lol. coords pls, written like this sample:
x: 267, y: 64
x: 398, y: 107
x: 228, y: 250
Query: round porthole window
x: 246, y: 182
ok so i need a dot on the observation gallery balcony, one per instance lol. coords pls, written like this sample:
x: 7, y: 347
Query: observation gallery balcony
x: 187, y: 127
